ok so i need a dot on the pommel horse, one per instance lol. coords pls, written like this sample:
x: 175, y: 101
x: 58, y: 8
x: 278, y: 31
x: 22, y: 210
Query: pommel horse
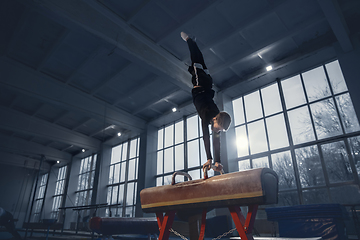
x: 246, y: 188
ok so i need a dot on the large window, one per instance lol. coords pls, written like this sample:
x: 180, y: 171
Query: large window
x: 180, y: 148
x: 306, y: 129
x: 39, y: 201
x: 59, y: 192
x: 85, y: 181
x: 123, y: 179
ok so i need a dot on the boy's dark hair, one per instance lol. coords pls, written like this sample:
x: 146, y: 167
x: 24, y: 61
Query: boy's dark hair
x: 224, y: 120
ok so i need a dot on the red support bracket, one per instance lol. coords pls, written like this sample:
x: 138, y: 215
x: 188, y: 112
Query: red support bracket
x: 165, y: 223
x: 203, y: 224
x: 244, y: 226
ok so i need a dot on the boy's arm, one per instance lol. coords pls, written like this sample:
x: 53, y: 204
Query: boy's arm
x: 206, y: 138
x: 216, y: 146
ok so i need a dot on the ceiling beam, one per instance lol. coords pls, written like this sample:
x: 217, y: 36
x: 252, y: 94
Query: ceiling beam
x: 337, y: 22
x: 19, y: 122
x: 21, y: 161
x: 23, y: 79
x: 22, y: 147
x: 268, y: 43
x: 105, y: 24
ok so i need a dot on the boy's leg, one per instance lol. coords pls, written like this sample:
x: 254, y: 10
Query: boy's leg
x: 195, y: 53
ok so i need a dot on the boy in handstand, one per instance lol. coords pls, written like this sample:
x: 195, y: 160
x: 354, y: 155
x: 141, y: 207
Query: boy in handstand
x: 203, y: 95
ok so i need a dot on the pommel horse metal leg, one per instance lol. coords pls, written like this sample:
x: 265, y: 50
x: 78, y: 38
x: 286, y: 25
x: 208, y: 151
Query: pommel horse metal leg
x: 165, y: 224
x: 244, y: 226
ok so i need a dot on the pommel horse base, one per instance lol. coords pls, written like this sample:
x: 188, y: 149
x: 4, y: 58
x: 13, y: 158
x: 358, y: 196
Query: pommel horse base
x: 246, y: 188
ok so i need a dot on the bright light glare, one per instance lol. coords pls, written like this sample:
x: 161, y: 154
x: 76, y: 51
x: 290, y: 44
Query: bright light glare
x: 119, y: 134
x: 268, y: 68
x: 174, y: 109
x: 242, y: 144
x: 83, y: 150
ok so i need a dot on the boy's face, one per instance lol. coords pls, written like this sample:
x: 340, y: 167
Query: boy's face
x: 216, y: 127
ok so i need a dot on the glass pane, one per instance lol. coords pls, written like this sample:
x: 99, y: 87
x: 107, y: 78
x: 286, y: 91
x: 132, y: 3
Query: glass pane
x: 293, y: 92
x: 167, y: 179
x: 316, y: 84
x: 288, y: 199
x: 283, y: 166
x: 81, y: 166
x: 131, y: 172
x: 260, y: 162
x: 242, y: 144
x: 347, y: 113
x: 114, y: 195
x: 133, y: 148
x: 124, y: 152
x: 64, y: 172
x: 354, y: 143
x: 130, y: 194
x: 300, y: 125
x: 192, y: 127
x: 118, y: 211
x: 121, y: 194
x: 325, y: 119
x: 195, y: 174
x: 238, y: 109
x: 111, y: 174
x: 115, y: 154
x: 337, y: 80
x: 60, y: 170
x: 169, y: 160
x: 129, y: 212
x: 337, y: 162
x: 123, y: 170
x: 85, y: 169
x: 159, y: 162
x: 257, y: 137
x: 179, y: 132
x: 160, y: 144
x: 271, y: 99
x: 136, y: 167
x: 109, y: 195
x: 316, y: 196
x: 277, y: 133
x: 169, y: 136
x: 94, y: 162
x: 244, y: 165
x: 179, y: 157
x: 193, y: 153
x: 117, y: 173
x: 159, y: 181
x: 92, y: 179
x: 309, y: 165
x: 253, y: 106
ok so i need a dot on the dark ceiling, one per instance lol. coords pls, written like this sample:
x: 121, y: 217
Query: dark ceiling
x: 74, y: 73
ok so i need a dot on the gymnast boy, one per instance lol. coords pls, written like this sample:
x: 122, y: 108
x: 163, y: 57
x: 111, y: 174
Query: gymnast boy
x: 206, y: 108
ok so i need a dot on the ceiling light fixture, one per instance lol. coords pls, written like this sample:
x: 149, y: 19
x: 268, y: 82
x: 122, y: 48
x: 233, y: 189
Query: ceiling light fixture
x: 174, y: 109
x: 83, y: 150
x: 269, y: 68
x: 119, y: 134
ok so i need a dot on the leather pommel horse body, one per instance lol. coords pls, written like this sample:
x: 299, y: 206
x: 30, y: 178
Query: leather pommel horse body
x: 246, y: 188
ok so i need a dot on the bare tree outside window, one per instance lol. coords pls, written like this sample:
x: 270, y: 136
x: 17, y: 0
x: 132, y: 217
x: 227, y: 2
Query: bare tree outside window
x: 319, y: 118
